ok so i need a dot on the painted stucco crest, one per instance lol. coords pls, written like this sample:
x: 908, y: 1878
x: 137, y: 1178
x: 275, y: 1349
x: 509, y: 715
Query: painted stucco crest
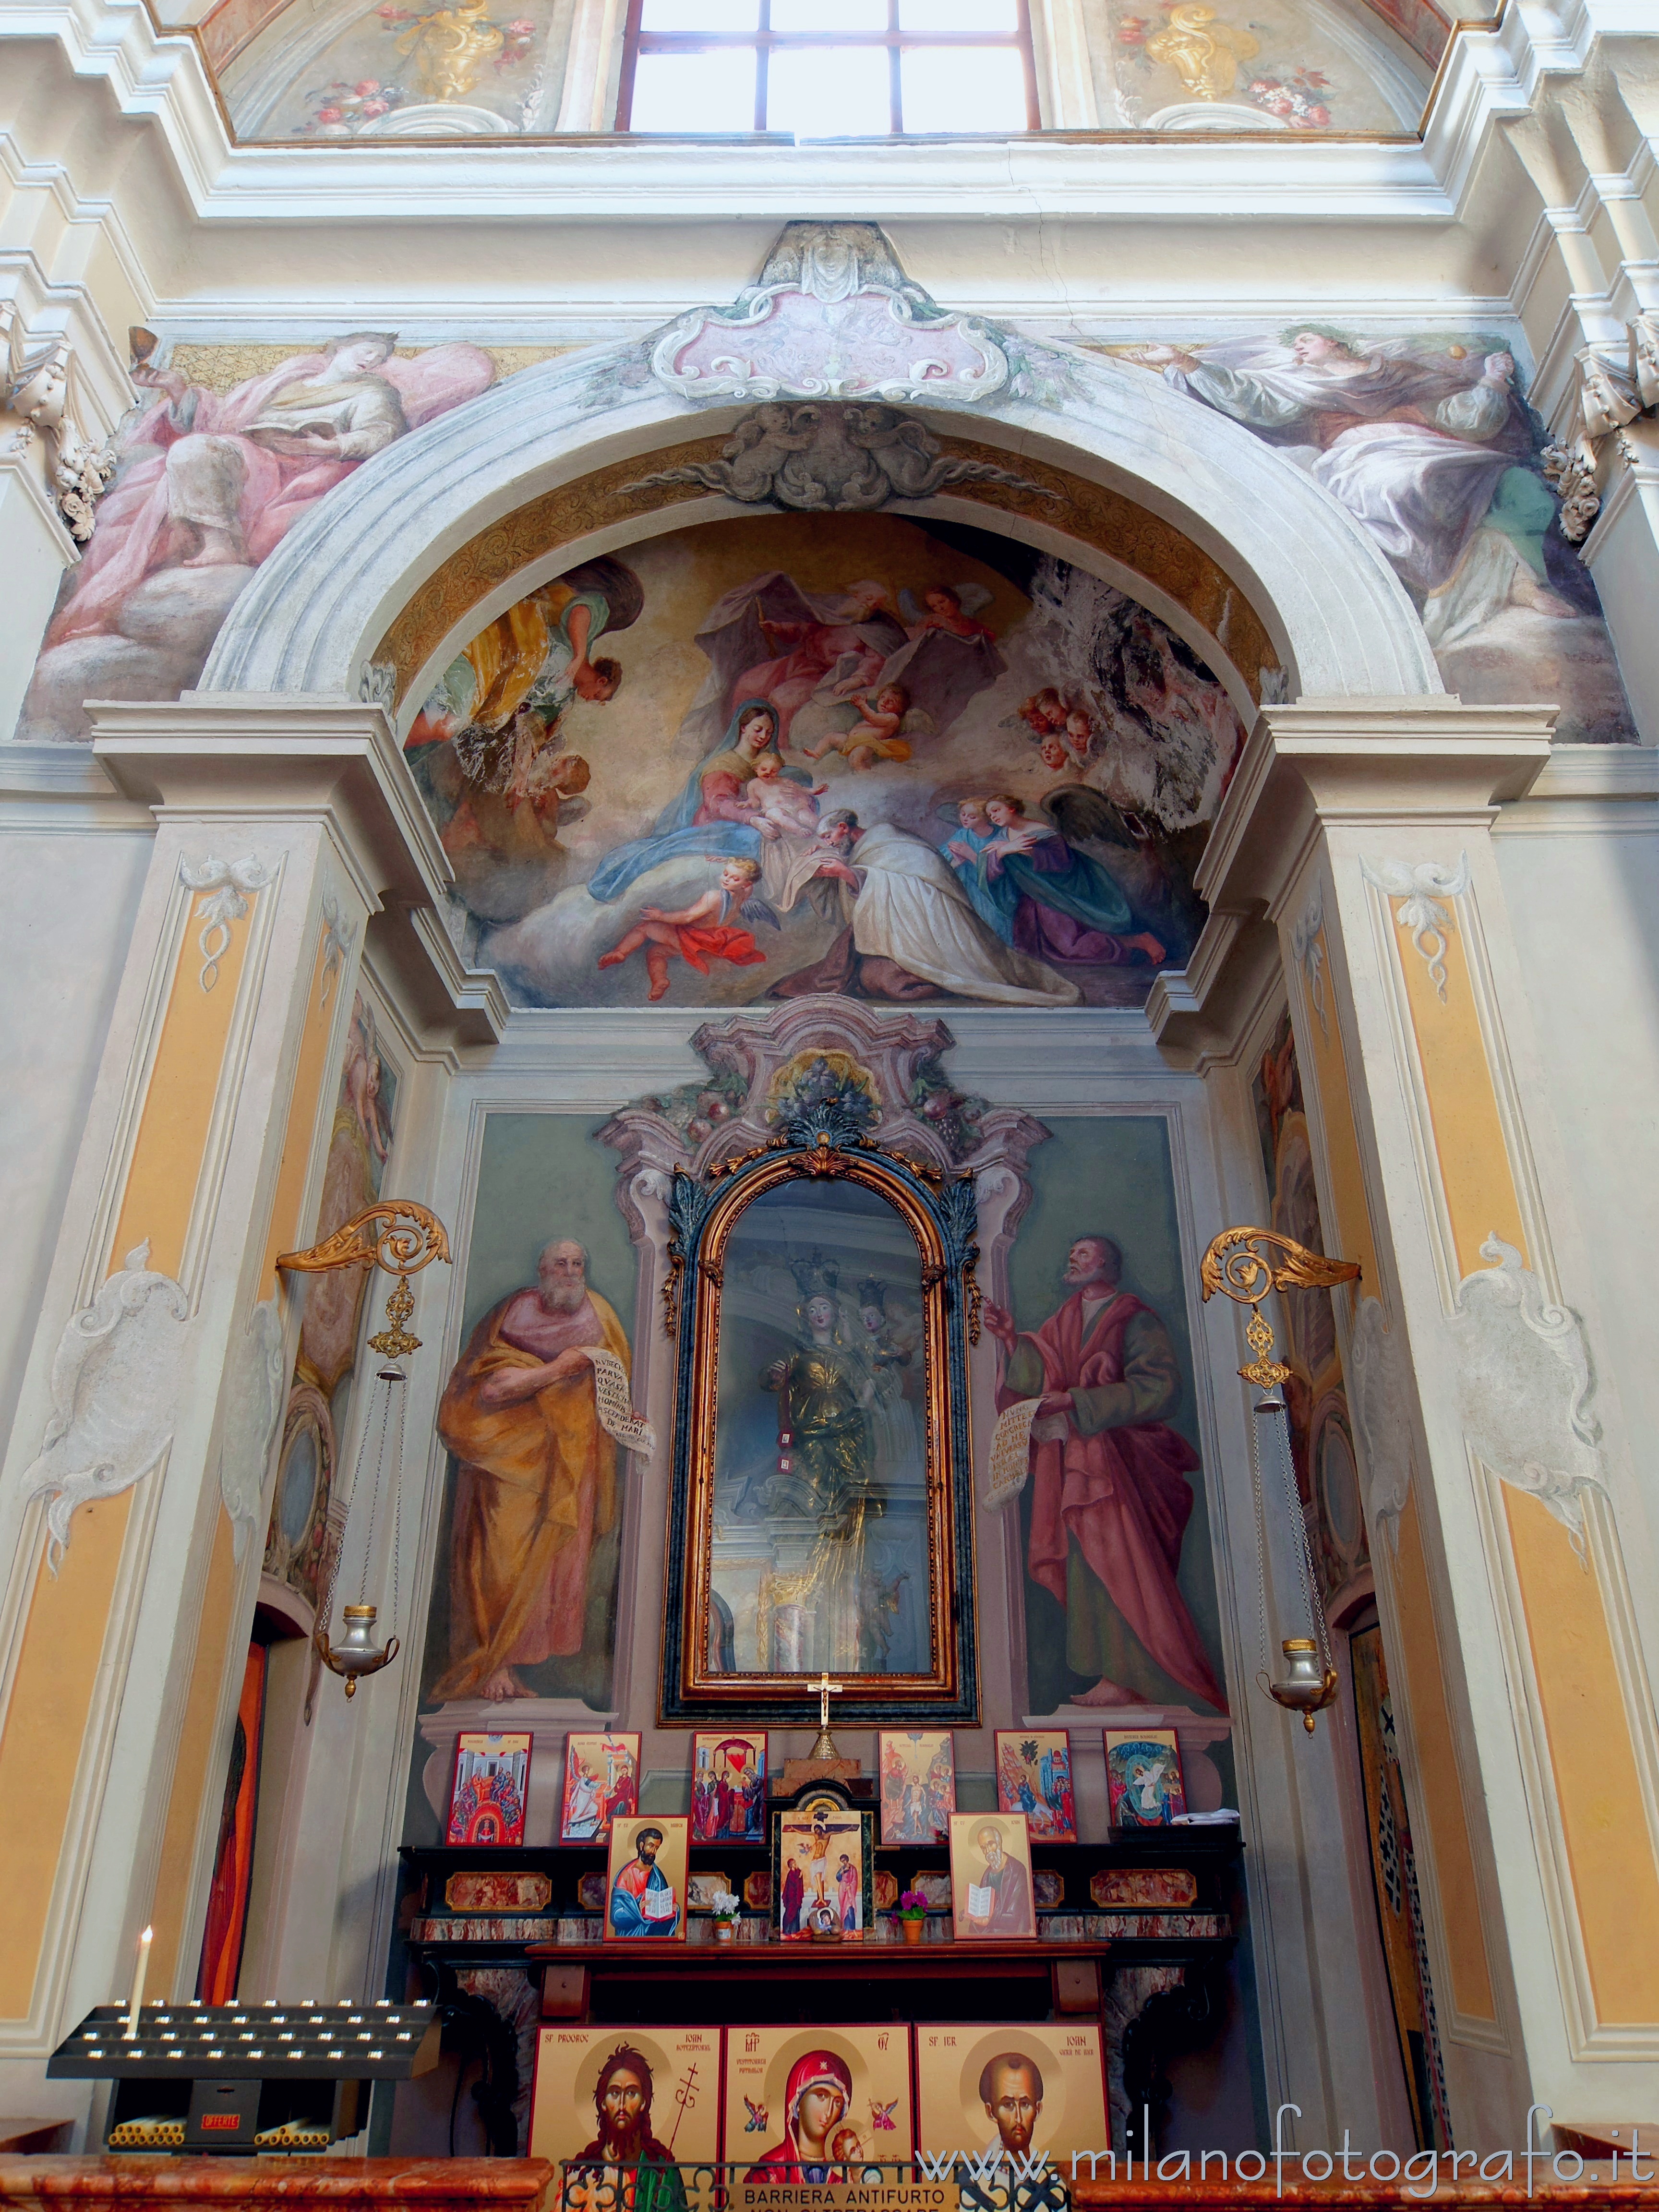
x: 1524, y: 1385
x: 832, y: 317
x: 1421, y: 888
x: 114, y: 1392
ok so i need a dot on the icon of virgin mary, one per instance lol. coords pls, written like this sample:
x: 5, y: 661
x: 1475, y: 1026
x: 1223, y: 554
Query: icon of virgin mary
x: 817, y: 2141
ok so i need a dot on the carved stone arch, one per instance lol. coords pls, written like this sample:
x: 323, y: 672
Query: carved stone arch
x: 315, y: 616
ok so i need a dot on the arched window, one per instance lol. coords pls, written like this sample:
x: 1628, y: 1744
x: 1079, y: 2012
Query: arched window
x: 828, y: 69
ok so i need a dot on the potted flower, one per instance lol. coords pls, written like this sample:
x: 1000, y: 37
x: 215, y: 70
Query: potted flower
x: 912, y: 1915
x: 724, y: 1913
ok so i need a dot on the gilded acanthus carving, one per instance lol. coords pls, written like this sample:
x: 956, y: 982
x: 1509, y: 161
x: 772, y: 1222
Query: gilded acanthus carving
x: 39, y: 391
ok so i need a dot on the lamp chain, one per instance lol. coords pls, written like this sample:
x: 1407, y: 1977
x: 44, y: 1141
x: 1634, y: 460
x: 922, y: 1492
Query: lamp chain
x: 385, y: 1375
x: 1262, y: 1674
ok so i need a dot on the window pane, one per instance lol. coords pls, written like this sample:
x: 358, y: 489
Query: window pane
x: 694, y: 92
x: 700, y: 15
x: 829, y: 91
x: 828, y: 14
x: 963, y: 88
x: 999, y: 17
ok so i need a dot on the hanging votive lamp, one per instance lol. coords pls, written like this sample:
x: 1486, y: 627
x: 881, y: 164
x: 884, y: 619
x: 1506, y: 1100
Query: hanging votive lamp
x: 402, y: 1237
x: 1305, y: 1681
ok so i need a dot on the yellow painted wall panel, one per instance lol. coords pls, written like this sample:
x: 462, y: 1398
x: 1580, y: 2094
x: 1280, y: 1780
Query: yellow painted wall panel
x: 1609, y: 1849
x: 1353, y: 1225
x: 301, y: 1127
x: 46, y: 1720
x: 1468, y: 1135
x: 57, y: 1667
x: 173, y: 1128
x: 1437, y: 1770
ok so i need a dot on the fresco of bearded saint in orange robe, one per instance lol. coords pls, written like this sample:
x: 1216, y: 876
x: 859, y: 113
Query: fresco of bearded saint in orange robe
x: 537, y: 1480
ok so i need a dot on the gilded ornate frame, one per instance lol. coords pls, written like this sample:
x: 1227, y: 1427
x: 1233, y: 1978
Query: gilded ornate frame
x: 824, y: 1140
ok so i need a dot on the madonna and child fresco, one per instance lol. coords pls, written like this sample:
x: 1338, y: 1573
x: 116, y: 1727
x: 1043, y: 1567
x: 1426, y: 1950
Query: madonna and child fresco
x: 764, y: 758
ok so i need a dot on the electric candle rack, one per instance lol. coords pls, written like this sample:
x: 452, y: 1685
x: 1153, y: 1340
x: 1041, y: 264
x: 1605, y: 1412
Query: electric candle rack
x: 245, y: 2077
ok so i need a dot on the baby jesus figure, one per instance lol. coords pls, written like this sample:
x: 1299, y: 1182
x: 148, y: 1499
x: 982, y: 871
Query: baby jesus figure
x: 699, y: 932
x: 777, y: 805
x: 875, y: 735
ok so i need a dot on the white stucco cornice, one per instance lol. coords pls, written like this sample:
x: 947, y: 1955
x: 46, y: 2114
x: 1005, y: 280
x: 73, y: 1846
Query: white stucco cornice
x: 1489, y: 73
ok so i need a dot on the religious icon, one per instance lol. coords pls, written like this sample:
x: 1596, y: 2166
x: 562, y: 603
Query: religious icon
x: 819, y: 1446
x: 634, y: 2102
x: 816, y: 1520
x: 917, y: 1773
x: 822, y: 1882
x: 1034, y: 1777
x: 757, y: 1890
x: 728, y: 1788
x: 1119, y: 1889
x: 1143, y: 1778
x: 1048, y: 1888
x: 648, y: 1876
x: 704, y: 1888
x: 1026, y: 2092
x: 601, y: 1783
x: 813, y: 2103
x: 486, y: 1795
x: 991, y: 1876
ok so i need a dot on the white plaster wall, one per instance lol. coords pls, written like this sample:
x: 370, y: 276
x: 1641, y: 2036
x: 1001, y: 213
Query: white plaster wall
x: 1581, y: 874
x: 69, y: 893
x: 33, y: 546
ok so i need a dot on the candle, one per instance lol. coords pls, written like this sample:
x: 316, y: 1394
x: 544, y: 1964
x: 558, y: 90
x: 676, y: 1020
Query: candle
x: 139, y: 1974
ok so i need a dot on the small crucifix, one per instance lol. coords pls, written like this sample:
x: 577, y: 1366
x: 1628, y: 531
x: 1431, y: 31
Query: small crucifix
x: 825, y: 1746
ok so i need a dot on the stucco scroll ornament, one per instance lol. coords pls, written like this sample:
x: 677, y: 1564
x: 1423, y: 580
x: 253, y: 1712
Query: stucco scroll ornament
x: 226, y: 883
x: 1381, y: 1395
x: 1420, y: 889
x: 1524, y: 1385
x: 834, y: 458
x: 253, y: 1403
x: 1308, y: 949
x: 114, y: 1391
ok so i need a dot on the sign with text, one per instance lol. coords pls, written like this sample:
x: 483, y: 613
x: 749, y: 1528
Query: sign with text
x: 846, y: 2196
